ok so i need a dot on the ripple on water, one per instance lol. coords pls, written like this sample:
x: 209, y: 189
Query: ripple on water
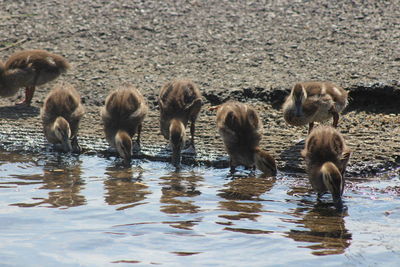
x: 93, y: 211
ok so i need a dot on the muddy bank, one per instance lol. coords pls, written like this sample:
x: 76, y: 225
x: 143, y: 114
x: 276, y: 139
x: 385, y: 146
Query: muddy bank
x: 372, y: 132
x: 250, y: 51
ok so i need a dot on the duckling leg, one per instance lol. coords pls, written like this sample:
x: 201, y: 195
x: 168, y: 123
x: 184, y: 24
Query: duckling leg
x: 335, y: 115
x: 310, y: 127
x: 136, y: 146
x: 335, y: 120
x: 233, y: 167
x: 76, y: 148
x: 29, y: 90
x: 139, y: 132
x: 192, y: 130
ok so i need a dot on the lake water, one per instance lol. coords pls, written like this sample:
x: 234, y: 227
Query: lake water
x: 62, y: 210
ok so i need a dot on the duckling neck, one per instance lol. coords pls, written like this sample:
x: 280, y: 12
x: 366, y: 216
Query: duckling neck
x: 62, y: 133
x: 122, y: 138
x: 176, y: 132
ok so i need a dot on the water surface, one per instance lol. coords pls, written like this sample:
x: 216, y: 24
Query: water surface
x: 62, y: 210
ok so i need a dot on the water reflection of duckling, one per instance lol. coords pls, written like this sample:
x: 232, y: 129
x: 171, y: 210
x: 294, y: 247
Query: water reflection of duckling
x: 175, y: 189
x: 180, y: 102
x: 239, y: 126
x: 314, y: 101
x: 29, y: 69
x: 125, y: 186
x: 63, y: 177
x: 123, y: 115
x: 326, y: 156
x: 324, y: 228
x: 244, y: 196
x: 61, y: 113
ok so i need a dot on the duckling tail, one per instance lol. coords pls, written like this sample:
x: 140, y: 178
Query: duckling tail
x: 265, y: 162
x: 334, y: 182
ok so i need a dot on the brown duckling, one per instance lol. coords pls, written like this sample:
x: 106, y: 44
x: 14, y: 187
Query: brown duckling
x: 180, y: 102
x: 314, y: 101
x: 29, y: 69
x: 240, y: 127
x: 123, y: 115
x: 61, y: 113
x: 326, y: 156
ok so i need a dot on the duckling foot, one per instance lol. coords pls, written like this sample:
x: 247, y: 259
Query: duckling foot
x: 28, y: 97
x: 23, y: 103
x: 136, y: 147
x: 112, y: 150
x: 299, y: 141
x: 168, y: 147
x: 76, y: 148
x: 189, y: 150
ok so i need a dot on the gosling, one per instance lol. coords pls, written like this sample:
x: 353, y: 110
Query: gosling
x: 326, y: 156
x: 61, y: 114
x: 311, y: 102
x: 122, y: 116
x: 179, y: 102
x: 29, y: 68
x: 240, y: 128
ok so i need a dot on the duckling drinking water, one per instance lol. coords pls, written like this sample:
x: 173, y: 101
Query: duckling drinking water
x: 240, y: 128
x: 180, y: 102
x: 61, y: 113
x: 123, y: 115
x: 326, y: 156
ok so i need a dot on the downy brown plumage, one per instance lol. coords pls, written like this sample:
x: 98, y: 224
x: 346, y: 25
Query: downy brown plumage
x: 326, y: 156
x: 311, y: 102
x: 29, y: 68
x: 123, y: 115
x: 61, y: 113
x: 240, y: 128
x: 180, y: 102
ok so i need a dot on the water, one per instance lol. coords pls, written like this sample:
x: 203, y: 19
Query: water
x: 61, y: 210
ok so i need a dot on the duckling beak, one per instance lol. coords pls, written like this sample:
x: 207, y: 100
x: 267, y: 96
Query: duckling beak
x: 66, y: 144
x: 127, y: 160
x: 299, y: 111
x: 176, y: 156
x: 337, y: 200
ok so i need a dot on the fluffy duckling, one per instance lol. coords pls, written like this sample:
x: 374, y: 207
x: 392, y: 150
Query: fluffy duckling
x: 314, y: 101
x: 61, y: 114
x: 240, y: 127
x: 123, y: 115
x: 29, y: 69
x: 326, y: 156
x: 180, y: 102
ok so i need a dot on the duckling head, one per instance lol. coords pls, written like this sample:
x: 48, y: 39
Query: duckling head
x: 63, y: 133
x: 177, y: 139
x: 123, y: 144
x: 265, y: 162
x: 334, y: 182
x: 299, y: 95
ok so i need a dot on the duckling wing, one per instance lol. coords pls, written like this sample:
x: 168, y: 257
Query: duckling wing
x: 38, y: 60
